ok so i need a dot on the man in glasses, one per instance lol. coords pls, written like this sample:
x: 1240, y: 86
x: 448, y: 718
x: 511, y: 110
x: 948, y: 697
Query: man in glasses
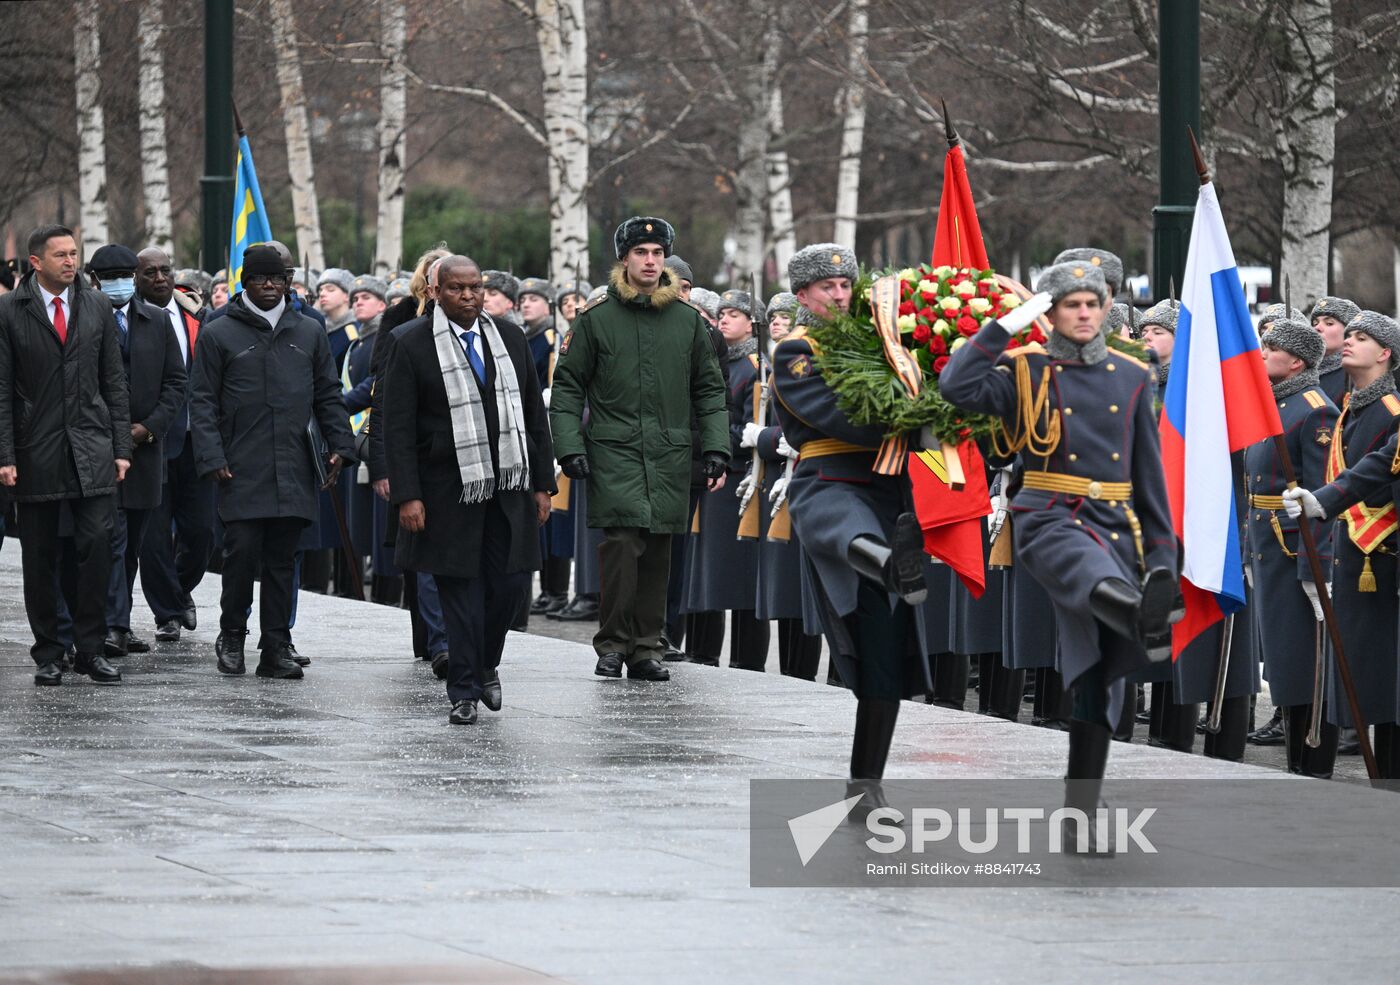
x: 262, y: 373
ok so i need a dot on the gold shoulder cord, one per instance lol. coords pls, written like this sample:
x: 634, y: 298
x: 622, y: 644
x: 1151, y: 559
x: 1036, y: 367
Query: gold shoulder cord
x: 1024, y: 433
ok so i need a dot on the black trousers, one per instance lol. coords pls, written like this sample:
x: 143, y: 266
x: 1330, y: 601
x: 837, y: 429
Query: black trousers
x: 262, y: 549
x: 799, y: 655
x: 676, y: 624
x: 632, y: 609
x: 748, y: 640
x: 92, y: 551
x: 478, y: 612
x: 173, y: 562
x: 128, y: 533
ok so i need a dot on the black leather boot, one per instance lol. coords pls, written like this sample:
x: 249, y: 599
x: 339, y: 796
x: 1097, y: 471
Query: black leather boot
x: 228, y: 650
x: 870, y: 749
x: 898, y: 567
x: 1295, y: 729
x: 1088, y: 758
x: 1229, y: 742
x: 1008, y: 692
x: 1139, y: 613
x: 1319, y: 762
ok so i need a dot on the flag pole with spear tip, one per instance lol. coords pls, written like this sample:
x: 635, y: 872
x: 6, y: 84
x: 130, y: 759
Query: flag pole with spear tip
x: 1329, y: 615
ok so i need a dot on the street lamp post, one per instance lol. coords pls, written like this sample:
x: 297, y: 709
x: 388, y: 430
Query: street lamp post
x: 1178, y: 106
x: 216, y: 186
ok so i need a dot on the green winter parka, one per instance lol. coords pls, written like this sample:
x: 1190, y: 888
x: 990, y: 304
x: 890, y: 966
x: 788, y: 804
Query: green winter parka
x: 642, y: 364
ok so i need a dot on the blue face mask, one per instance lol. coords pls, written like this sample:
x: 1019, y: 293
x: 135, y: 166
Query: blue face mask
x: 119, y: 290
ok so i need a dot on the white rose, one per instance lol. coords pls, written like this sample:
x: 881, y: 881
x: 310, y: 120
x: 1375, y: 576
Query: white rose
x: 943, y: 272
x: 906, y: 323
x: 980, y: 306
x: 942, y: 327
x: 950, y: 304
x: 967, y: 288
x: 910, y: 275
x: 958, y: 343
x: 927, y: 287
x: 1009, y: 301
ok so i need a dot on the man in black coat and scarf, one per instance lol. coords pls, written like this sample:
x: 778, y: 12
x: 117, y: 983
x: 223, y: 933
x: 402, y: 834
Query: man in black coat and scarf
x: 264, y: 381
x: 471, y: 469
x: 65, y: 440
x: 156, y: 387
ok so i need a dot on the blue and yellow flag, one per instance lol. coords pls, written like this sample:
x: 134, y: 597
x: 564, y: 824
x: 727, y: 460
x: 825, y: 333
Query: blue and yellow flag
x: 250, y: 223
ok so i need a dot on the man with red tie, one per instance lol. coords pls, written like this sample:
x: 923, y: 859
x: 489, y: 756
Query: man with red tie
x: 65, y: 442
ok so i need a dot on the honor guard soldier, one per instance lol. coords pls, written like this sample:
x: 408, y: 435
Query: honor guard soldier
x: 856, y: 526
x: 1273, y: 313
x: 1287, y: 613
x: 1330, y: 316
x: 723, y: 568
x: 1093, y: 524
x: 1362, y: 494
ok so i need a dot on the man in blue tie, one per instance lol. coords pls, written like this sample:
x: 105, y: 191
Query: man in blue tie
x: 155, y: 375
x: 471, y: 468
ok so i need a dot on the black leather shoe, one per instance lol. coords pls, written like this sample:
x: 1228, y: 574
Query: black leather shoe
x: 96, y: 667
x: 69, y: 656
x: 557, y: 604
x: 541, y: 604
x: 168, y: 631
x: 491, y: 694
x: 581, y: 609
x: 440, y: 665
x: 898, y: 566
x: 190, y: 617
x: 1270, y: 734
x: 228, y: 649
x: 300, y: 660
x: 279, y: 665
x: 48, y: 675
x: 135, y: 644
x: 648, y: 669
x: 872, y: 798
x: 114, y: 645
x: 463, y: 713
x: 609, y: 665
x: 672, y: 655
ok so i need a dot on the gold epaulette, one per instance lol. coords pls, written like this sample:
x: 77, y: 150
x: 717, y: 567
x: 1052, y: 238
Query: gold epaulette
x: 595, y: 302
x: 1392, y: 404
x: 1029, y: 349
x: 1315, y: 400
x: 1119, y: 354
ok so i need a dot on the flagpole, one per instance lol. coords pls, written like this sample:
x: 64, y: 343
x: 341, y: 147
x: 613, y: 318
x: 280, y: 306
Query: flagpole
x: 1329, y: 615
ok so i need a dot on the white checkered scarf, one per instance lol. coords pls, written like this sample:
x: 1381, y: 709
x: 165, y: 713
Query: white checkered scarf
x: 469, y: 433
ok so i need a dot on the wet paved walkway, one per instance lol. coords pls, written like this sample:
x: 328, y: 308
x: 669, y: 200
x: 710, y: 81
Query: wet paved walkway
x: 594, y: 831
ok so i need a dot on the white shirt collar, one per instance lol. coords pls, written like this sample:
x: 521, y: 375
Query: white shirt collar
x: 48, y: 298
x: 458, y: 329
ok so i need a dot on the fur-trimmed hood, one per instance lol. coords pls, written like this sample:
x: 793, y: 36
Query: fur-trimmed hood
x: 668, y: 289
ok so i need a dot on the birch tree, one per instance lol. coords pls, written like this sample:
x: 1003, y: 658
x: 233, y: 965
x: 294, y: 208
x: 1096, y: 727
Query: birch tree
x: 92, y: 141
x: 852, y: 106
x: 562, y: 34
x: 393, y: 92
x: 300, y: 168
x: 751, y: 171
x: 155, y: 169
x: 1306, y: 136
x: 780, y: 218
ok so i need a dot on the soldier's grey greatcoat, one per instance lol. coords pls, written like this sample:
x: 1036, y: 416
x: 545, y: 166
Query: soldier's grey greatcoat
x: 1070, y: 541
x: 1284, y: 620
x: 976, y: 622
x: 723, y: 568
x: 779, y: 593
x: 835, y: 497
x: 1367, y: 620
x: 1028, y: 617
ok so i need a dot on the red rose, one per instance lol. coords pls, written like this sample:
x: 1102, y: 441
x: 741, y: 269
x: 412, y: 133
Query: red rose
x: 967, y: 325
x: 929, y: 296
x: 994, y: 298
x: 906, y: 308
x: 906, y: 289
x: 939, y: 363
x: 921, y: 333
x: 1036, y: 334
x: 983, y: 288
x: 937, y: 345
x: 928, y: 314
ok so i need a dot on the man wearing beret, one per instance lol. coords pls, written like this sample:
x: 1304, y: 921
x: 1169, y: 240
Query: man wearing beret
x: 1287, y: 609
x: 856, y: 526
x: 1093, y: 523
x: 641, y: 358
x: 156, y: 384
x: 1361, y: 492
x: 65, y: 444
x: 1330, y: 316
x: 263, y: 377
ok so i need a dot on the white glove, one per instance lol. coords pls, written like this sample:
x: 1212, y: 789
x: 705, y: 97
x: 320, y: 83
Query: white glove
x: 750, y: 436
x: 558, y: 470
x: 786, y: 450
x: 545, y: 395
x: 1249, y: 576
x: 779, y: 490
x: 745, y: 488
x: 1029, y: 310
x: 1310, y: 590
x: 1299, y: 501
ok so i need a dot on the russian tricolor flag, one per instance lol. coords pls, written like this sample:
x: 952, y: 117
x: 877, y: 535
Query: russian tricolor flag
x: 1218, y: 401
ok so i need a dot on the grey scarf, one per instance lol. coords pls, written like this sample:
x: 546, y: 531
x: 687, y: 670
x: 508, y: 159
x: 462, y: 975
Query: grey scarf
x: 1330, y: 362
x: 1090, y: 353
x: 1295, y: 384
x: 1372, y: 392
x: 742, y: 348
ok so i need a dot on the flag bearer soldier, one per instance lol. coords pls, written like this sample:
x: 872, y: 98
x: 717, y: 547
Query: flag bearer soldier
x: 857, y: 529
x: 1288, y: 615
x: 780, y: 562
x: 1330, y: 316
x: 1361, y: 494
x: 1093, y: 524
x: 723, y: 568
